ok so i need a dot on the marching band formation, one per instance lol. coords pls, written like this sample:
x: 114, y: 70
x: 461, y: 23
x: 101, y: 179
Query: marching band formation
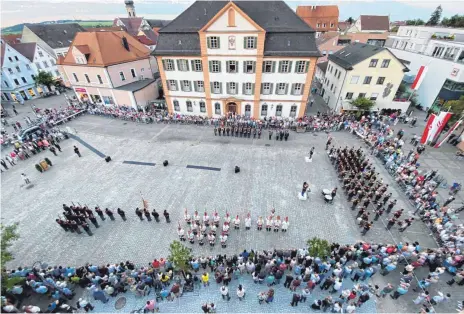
x: 198, y: 226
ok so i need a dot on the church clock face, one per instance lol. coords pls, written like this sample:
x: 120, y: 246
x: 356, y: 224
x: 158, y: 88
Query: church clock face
x: 232, y: 42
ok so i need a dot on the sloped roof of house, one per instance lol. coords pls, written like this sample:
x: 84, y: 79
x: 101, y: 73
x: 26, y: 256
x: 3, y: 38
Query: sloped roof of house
x: 343, y: 26
x: 323, y: 66
x: 286, y: 33
x: 145, y: 40
x: 56, y: 35
x: 106, y: 48
x: 12, y: 38
x: 132, y: 24
x: 26, y: 49
x: 2, y: 53
x: 355, y: 53
x: 157, y: 23
x: 326, y: 36
x: 319, y: 11
x: 375, y: 22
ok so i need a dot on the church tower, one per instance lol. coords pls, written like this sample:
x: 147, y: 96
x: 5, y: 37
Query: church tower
x: 130, y: 8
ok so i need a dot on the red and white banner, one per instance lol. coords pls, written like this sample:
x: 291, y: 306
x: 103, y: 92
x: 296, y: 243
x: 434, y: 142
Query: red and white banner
x: 441, y: 122
x: 451, y: 130
x: 428, y: 129
x: 419, y: 77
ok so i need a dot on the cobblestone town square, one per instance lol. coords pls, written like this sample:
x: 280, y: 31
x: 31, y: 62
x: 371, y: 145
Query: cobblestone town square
x: 271, y: 176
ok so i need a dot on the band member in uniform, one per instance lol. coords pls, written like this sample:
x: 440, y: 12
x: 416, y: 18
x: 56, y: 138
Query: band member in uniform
x: 248, y: 222
x: 122, y: 214
x: 223, y: 239
x: 62, y: 224
x: 206, y: 219
x: 87, y: 229
x: 147, y: 214
x: 269, y: 223
x: 139, y: 213
x: 187, y: 217
x: 213, y: 229
x: 155, y: 215
x: 191, y: 236
x: 285, y: 225
x: 100, y: 213
x: 225, y: 227
x: 211, y: 239
x: 259, y: 223
x: 227, y: 218
x: 201, y: 238
x: 196, y: 218
x: 216, y: 219
x: 109, y: 213
x: 277, y: 224
x: 237, y: 223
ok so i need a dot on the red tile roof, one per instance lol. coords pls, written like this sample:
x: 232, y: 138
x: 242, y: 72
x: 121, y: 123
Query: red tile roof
x: 106, y: 48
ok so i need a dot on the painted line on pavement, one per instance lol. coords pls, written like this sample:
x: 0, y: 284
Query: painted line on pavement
x: 140, y: 163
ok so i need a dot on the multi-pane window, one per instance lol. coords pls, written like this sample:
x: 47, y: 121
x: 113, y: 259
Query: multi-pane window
x: 23, y: 79
x: 217, y: 108
x: 28, y: 66
x: 248, y: 88
x: 373, y: 63
x: 40, y: 54
x: 247, y: 110
x: 45, y: 63
x: 215, y: 66
x: 87, y: 78
x: 281, y: 89
x: 202, y: 106
x: 362, y: 95
x: 301, y: 66
x: 385, y: 63
x: 216, y: 87
x: 133, y: 73
x: 16, y: 81
x: 297, y: 89
x: 168, y: 65
x: 285, y: 66
x: 19, y: 69
x: 172, y: 85
x: 99, y: 78
x: 349, y: 96
x: 75, y: 77
x: 331, y: 87
x: 37, y: 64
x: 336, y: 72
x: 267, y: 89
x: 374, y: 96
x: 176, y: 105
x: 213, y: 42
x: 11, y: 59
x: 250, y: 42
x: 232, y: 88
x: 264, y: 110
x: 339, y: 73
x: 196, y: 65
x: 199, y: 86
x: 11, y: 71
x: 293, y: 111
x: 279, y: 110
x: 354, y: 79
x: 121, y: 76
x: 232, y: 66
x: 189, y: 106
x: 249, y: 66
x: 268, y: 66
x: 6, y: 84
x: 182, y: 65
x: 367, y: 80
x: 185, y: 85
x: 380, y: 80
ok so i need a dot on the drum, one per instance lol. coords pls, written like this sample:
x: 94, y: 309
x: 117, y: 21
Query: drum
x: 325, y: 191
x: 44, y: 165
x: 328, y: 198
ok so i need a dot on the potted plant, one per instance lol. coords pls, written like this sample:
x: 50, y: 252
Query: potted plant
x: 48, y: 161
x: 434, y: 36
x: 37, y: 166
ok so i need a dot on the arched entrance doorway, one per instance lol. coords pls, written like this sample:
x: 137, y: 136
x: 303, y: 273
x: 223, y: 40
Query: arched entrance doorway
x: 232, y: 107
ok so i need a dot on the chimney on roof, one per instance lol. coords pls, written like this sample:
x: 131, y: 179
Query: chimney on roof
x: 64, y: 31
x: 125, y: 43
x: 313, y: 7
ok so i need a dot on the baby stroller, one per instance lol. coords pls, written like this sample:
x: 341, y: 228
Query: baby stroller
x: 188, y: 287
x: 327, y: 194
